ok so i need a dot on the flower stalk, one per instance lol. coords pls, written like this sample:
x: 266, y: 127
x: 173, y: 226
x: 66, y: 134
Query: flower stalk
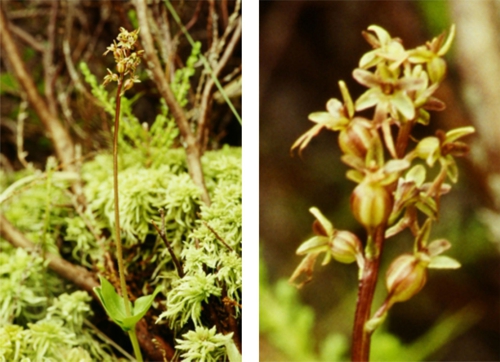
x: 366, y: 291
x: 118, y: 241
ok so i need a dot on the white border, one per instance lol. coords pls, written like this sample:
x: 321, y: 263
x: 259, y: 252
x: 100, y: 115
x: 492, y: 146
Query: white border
x: 250, y: 145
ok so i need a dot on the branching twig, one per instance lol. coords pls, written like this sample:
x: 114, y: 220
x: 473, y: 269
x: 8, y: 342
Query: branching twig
x: 210, y: 83
x: 48, y: 60
x: 74, y: 273
x: 176, y: 261
x: 60, y: 137
x: 217, y: 235
x: 27, y: 38
x: 193, y: 152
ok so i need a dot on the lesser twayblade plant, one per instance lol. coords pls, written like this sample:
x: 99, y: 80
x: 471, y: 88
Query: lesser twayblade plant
x: 119, y: 308
x: 392, y: 183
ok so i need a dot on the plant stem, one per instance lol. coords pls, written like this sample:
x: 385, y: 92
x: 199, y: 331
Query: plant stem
x: 361, y: 337
x: 118, y: 241
x: 135, y: 345
x: 119, y: 251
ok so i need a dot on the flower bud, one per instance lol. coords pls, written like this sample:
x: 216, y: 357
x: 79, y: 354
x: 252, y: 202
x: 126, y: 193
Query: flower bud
x: 429, y: 149
x: 120, y: 67
x: 436, y: 69
x: 355, y: 139
x: 371, y: 204
x: 405, y: 277
x: 129, y: 83
x: 345, y: 247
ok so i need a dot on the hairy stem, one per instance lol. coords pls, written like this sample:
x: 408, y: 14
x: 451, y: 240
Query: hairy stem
x: 361, y: 337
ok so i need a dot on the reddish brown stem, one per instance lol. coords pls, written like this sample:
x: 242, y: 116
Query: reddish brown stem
x: 361, y: 337
x: 118, y: 242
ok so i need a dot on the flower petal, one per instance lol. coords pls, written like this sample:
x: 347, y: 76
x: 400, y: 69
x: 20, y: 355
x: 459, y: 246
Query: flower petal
x: 457, y: 133
x: 368, y: 99
x: 443, y: 262
x: 403, y: 104
x: 438, y: 246
x: 382, y: 34
x: 366, y: 78
x: 325, y: 223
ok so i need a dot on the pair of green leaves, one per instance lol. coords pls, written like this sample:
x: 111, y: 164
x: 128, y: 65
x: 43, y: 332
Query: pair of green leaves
x: 114, y: 305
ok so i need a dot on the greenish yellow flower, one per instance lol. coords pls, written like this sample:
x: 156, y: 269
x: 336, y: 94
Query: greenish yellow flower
x: 387, y: 91
x: 341, y: 245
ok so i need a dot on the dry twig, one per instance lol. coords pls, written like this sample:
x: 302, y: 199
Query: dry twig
x: 193, y: 152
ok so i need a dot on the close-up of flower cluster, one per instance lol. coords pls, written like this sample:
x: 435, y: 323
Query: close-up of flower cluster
x: 397, y: 185
x: 126, y: 59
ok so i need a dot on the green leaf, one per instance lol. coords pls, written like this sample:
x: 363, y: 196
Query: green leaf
x: 114, y: 305
x: 111, y: 301
x: 232, y: 352
x: 140, y: 308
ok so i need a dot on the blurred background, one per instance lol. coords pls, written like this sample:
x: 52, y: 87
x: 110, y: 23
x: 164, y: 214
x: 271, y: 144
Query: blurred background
x: 306, y: 47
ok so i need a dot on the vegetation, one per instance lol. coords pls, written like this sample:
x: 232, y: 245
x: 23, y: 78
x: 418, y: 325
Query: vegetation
x: 168, y: 257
